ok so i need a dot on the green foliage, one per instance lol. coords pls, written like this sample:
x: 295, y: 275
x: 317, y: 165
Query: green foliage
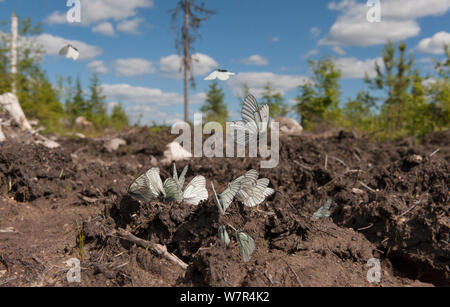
x: 36, y: 94
x: 119, y: 118
x: 318, y: 102
x: 214, y: 107
x: 275, y: 101
x: 359, y: 113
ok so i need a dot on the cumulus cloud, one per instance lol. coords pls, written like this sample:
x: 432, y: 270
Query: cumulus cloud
x: 52, y: 44
x: 257, y: 80
x: 130, y: 26
x: 201, y: 65
x: 105, y: 28
x: 93, y: 11
x: 98, y: 67
x: 148, y: 102
x: 352, y: 68
x: 434, y: 44
x: 133, y: 67
x: 398, y: 21
x: 255, y: 60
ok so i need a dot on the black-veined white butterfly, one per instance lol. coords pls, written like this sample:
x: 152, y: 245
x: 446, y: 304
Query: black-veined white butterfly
x: 254, y: 123
x: 323, y: 211
x: 223, y: 235
x: 253, y: 191
x: 220, y: 74
x: 246, y: 244
x: 69, y: 52
x: 224, y: 199
x: 195, y: 191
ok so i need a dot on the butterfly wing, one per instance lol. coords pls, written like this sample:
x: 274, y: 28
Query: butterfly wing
x: 246, y: 244
x: 244, y: 132
x: 195, y: 191
x: 72, y: 53
x: 217, y: 201
x: 223, y: 76
x: 227, y: 196
x: 140, y: 189
x: 63, y: 50
x: 172, y: 192
x: 155, y: 181
x: 212, y: 76
x: 223, y: 235
x: 182, y: 176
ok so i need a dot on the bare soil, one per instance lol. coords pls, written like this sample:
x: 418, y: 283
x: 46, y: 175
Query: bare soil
x: 390, y: 202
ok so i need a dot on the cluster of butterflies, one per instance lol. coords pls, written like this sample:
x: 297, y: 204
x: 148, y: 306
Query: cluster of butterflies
x: 247, y: 189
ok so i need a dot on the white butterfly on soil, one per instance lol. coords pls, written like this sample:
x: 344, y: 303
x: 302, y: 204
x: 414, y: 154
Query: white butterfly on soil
x: 223, y: 235
x: 254, y: 123
x: 246, y: 244
x: 220, y: 74
x: 253, y: 191
x: 224, y: 199
x: 70, y: 52
x: 195, y: 191
x: 323, y: 211
x: 149, y: 186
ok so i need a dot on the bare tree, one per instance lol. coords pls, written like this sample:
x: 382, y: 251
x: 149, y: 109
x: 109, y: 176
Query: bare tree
x: 187, y: 33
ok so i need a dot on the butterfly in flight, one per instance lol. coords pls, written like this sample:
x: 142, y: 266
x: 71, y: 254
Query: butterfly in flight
x: 254, y: 123
x: 220, y: 74
x: 70, y: 52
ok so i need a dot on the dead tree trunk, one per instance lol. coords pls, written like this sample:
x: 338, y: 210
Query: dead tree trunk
x: 186, y: 61
x: 14, y: 35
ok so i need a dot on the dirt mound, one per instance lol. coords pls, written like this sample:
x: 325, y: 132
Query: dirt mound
x: 390, y: 202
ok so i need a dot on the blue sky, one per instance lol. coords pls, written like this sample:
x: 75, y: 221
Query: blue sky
x: 129, y: 43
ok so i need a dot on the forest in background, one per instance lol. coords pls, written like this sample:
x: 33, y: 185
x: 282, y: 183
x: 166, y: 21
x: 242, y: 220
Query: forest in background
x: 399, y: 101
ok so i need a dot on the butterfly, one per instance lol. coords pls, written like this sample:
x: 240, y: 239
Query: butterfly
x: 223, y: 235
x: 246, y: 244
x: 70, y: 52
x: 224, y: 200
x: 253, y: 191
x: 323, y: 211
x: 254, y: 123
x: 220, y: 74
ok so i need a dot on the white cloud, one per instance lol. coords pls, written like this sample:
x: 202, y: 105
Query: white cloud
x: 256, y: 60
x: 257, y: 80
x: 136, y: 95
x: 105, y: 28
x: 93, y: 11
x: 398, y: 21
x: 201, y: 65
x: 148, y: 102
x: 133, y: 67
x: 52, y: 44
x: 352, y: 68
x: 98, y: 67
x: 434, y: 44
x: 314, y: 32
x: 130, y: 26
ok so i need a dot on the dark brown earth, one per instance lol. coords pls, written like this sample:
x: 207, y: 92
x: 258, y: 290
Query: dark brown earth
x: 390, y: 202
